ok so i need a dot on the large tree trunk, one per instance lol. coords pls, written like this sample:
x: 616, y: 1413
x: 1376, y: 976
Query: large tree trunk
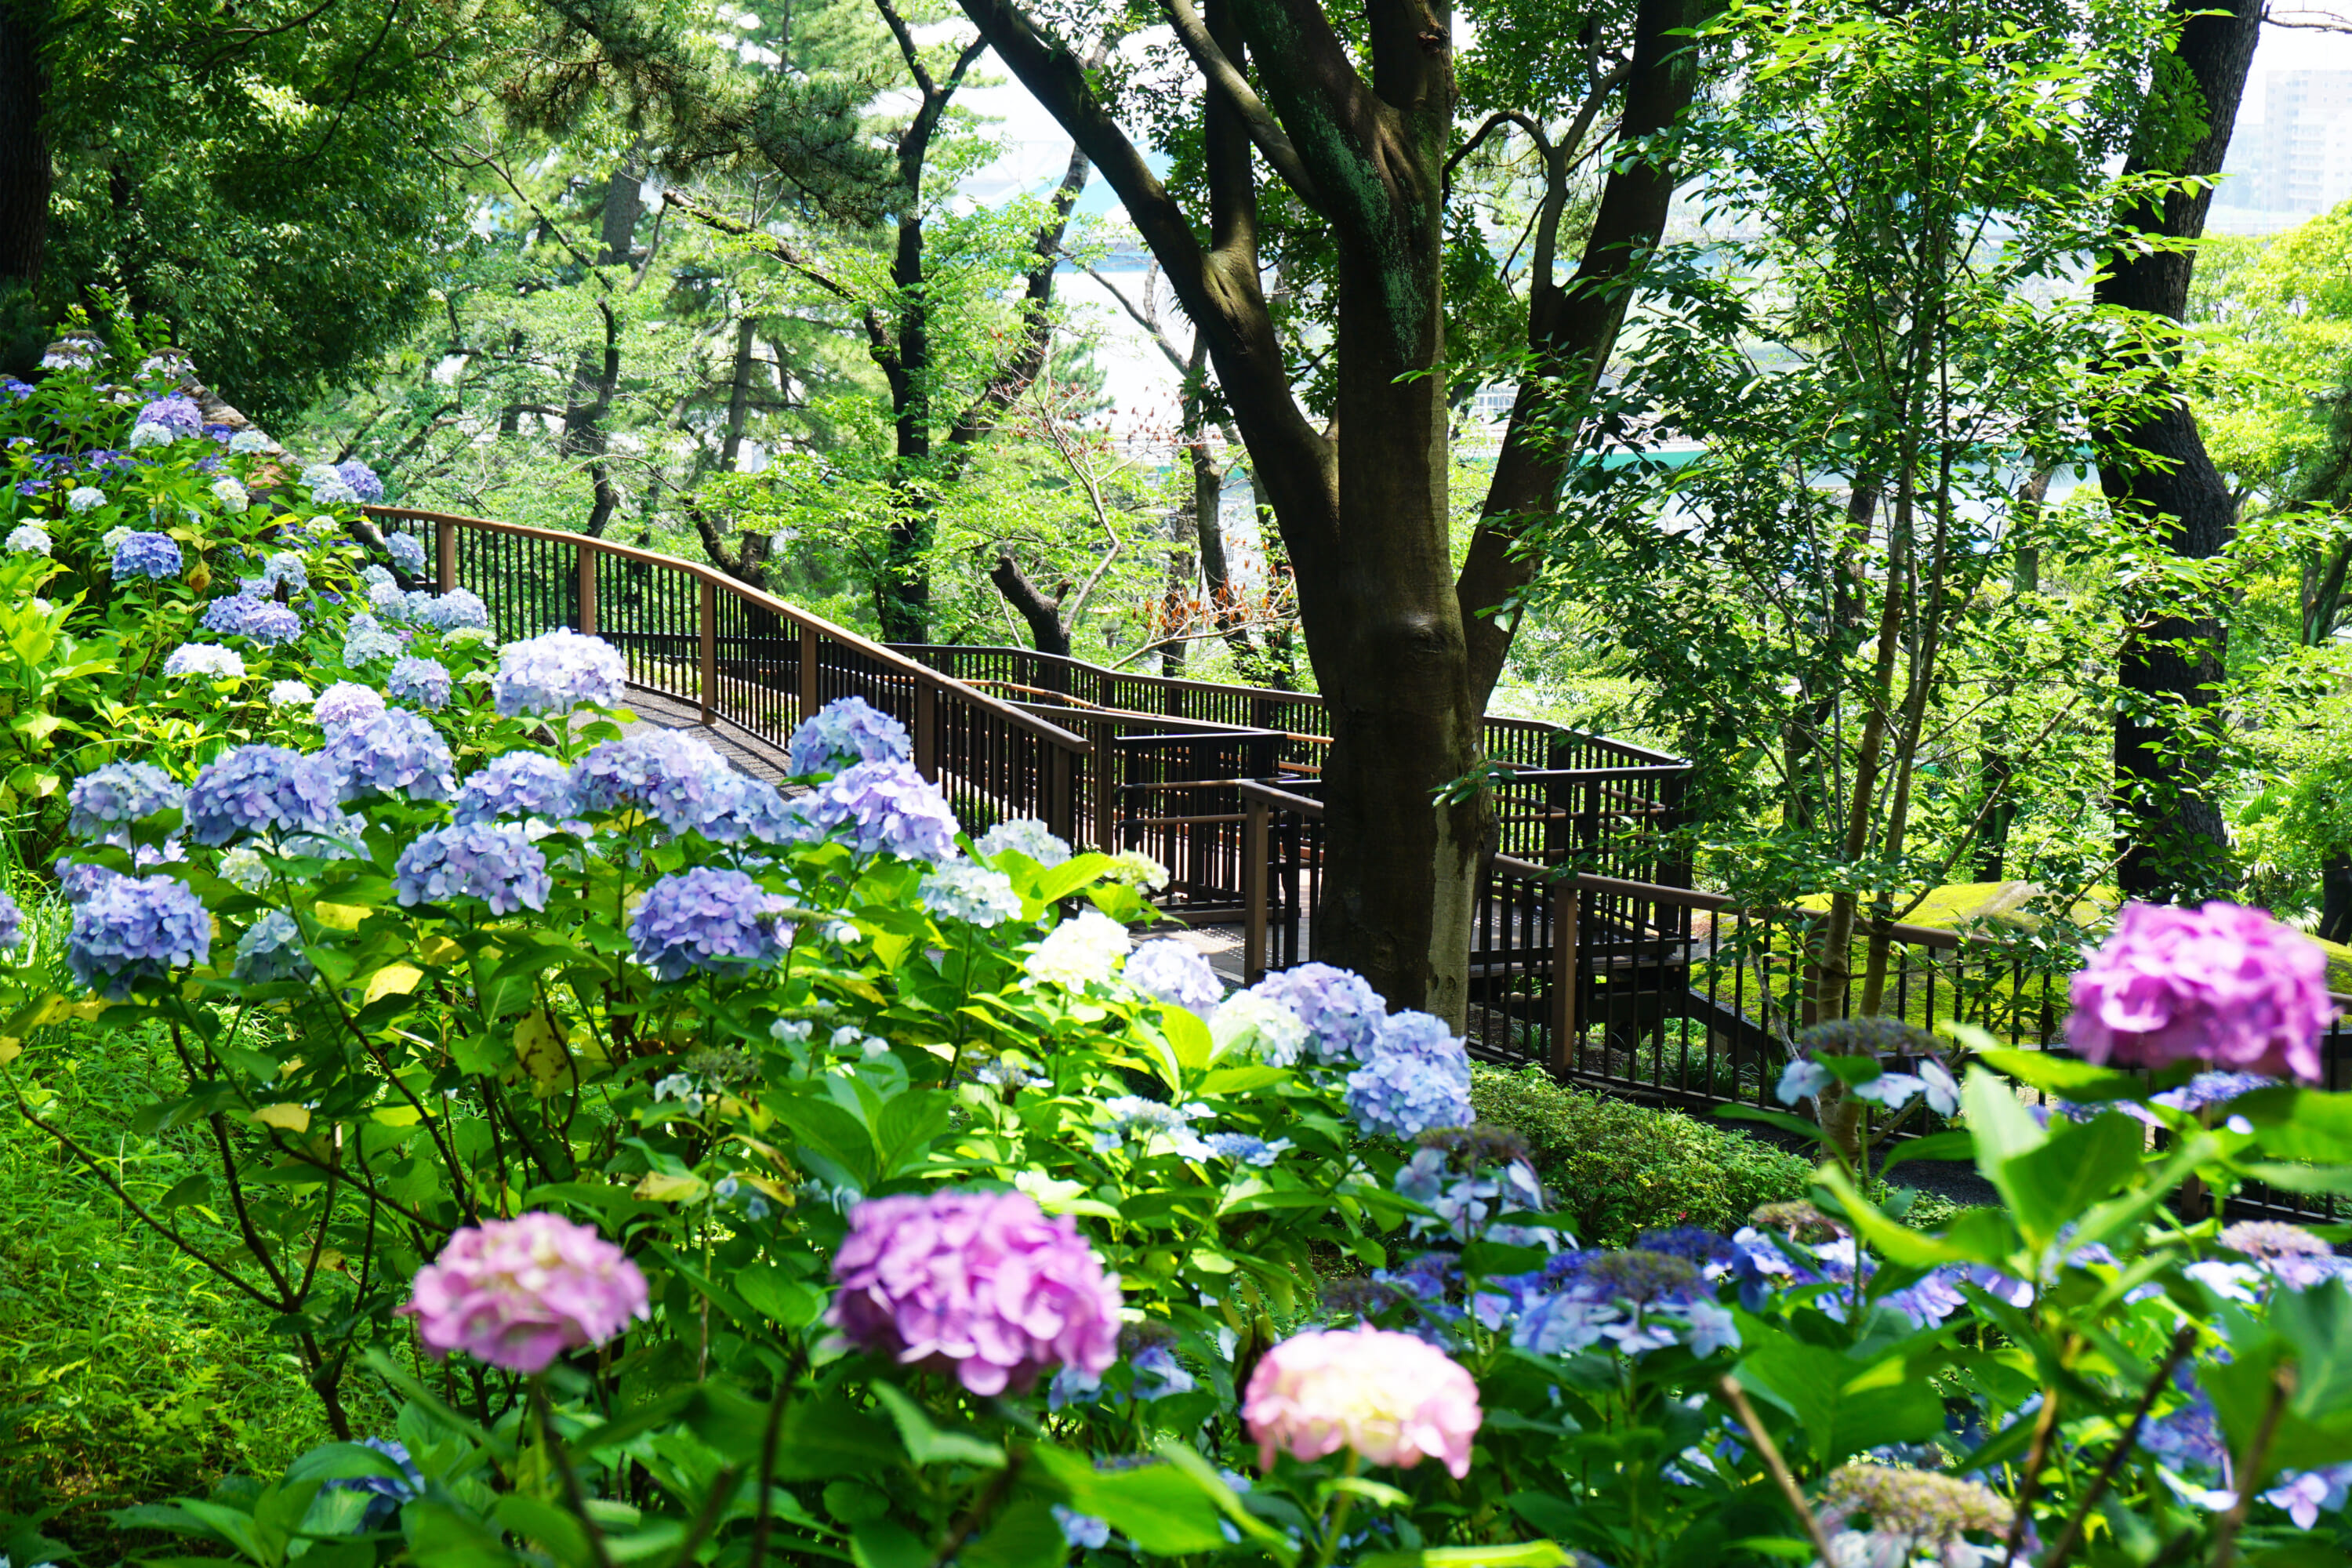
x: 24, y: 170
x: 596, y: 375
x: 2168, y: 824
x: 739, y: 395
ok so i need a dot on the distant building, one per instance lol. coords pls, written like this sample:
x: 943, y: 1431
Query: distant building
x: 2298, y: 161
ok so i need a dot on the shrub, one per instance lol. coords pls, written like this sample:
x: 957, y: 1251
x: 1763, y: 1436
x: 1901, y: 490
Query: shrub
x: 1621, y: 1169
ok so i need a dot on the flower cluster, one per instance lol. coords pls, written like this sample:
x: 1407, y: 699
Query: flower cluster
x: 980, y: 1283
x: 1469, y: 1178
x: 673, y: 777
x: 29, y: 538
x: 496, y: 863
x: 844, y: 732
x: 361, y: 480
x: 407, y: 552
x: 284, y: 569
x: 558, y: 672
x: 397, y: 752
x: 1636, y: 1301
x: 2224, y: 983
x: 708, y: 919
x: 1080, y: 951
x: 144, y: 554
x: 127, y: 929
x: 204, y: 658
x: 1390, y: 1397
x: 519, y: 783
x: 1168, y: 971
x: 423, y: 682
x: 271, y: 950
x: 365, y: 640
x: 1342, y: 1012
x: 105, y: 801
x: 884, y: 808
x: 1417, y: 1078
x: 449, y: 612
x: 247, y: 614
x: 263, y: 789
x: 1254, y: 1023
x: 517, y: 1293
x: 967, y: 890
x: 1023, y: 835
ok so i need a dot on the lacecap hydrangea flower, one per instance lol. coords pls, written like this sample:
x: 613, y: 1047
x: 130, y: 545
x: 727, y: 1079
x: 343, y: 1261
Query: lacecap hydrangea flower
x: 982, y: 1284
x: 517, y: 785
x: 204, y: 658
x: 711, y: 920
x: 397, y: 752
x: 406, y: 550
x: 84, y: 498
x: 105, y: 801
x: 1417, y: 1078
x: 263, y: 789
x: 1168, y: 971
x: 423, y: 682
x: 1390, y: 1397
x: 1342, y: 1012
x: 517, y: 1293
x: 966, y: 890
x: 346, y: 702
x: 558, y: 672
x: 494, y: 862
x: 2224, y: 984
x: 1023, y: 836
x: 1080, y: 951
x: 271, y: 949
x: 29, y: 538
x: 127, y: 929
x: 844, y: 732
x: 145, y: 554
x: 246, y: 615
x: 882, y: 808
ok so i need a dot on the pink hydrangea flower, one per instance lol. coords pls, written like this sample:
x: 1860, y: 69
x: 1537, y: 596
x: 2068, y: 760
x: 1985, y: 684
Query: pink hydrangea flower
x: 1389, y: 1396
x: 518, y: 1292
x: 2224, y: 983
x: 981, y: 1283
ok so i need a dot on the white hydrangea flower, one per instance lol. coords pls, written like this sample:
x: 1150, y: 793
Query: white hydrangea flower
x: 246, y: 868
x: 246, y: 441
x: 29, y: 538
x: 1246, y: 1021
x: 81, y: 498
x: 149, y: 434
x: 966, y: 890
x: 1027, y: 834
x: 1078, y: 953
x: 290, y: 694
x: 1137, y: 869
x: 112, y: 537
x: 231, y: 495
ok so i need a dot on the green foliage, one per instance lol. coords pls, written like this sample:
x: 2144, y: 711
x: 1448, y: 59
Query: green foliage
x: 1620, y: 1169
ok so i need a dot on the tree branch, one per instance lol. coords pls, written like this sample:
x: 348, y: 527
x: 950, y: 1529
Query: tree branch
x: 1226, y: 81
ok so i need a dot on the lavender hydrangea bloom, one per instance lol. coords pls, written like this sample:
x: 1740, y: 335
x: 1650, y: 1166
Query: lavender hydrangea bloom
x: 1417, y: 1078
x: 886, y: 808
x: 29, y: 538
x: 12, y: 924
x: 2224, y: 984
x: 741, y: 807
x: 107, y: 800
x: 675, y: 778
x: 177, y: 413
x: 263, y: 789
x: 346, y: 702
x: 1168, y: 971
x: 146, y: 554
x: 376, y: 576
x: 271, y: 949
x: 125, y: 930
x: 244, y: 614
x: 966, y: 890
x: 406, y: 550
x: 494, y: 862
x: 423, y: 682
x: 519, y: 783
x: 331, y: 492
x: 397, y: 752
x: 1339, y: 1007
x: 284, y: 569
x: 703, y: 918
x: 387, y: 600
x: 359, y: 480
x: 366, y: 641
x: 558, y: 672
x: 457, y: 609
x: 204, y: 658
x: 844, y: 732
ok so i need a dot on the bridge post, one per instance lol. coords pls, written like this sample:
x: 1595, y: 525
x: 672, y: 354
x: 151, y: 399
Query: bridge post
x: 927, y: 729
x: 1256, y: 849
x: 1105, y: 778
x: 705, y: 626
x: 445, y: 556
x: 1566, y: 907
x: 584, y: 571
x: 808, y: 672
x: 1061, y: 808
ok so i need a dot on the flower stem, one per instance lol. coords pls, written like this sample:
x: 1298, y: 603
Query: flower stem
x: 2250, y: 1467
x: 2072, y: 1535
x: 573, y: 1493
x: 1736, y: 1397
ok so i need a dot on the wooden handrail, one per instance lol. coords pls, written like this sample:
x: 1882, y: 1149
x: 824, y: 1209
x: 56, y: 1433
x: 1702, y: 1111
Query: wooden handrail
x: 714, y: 581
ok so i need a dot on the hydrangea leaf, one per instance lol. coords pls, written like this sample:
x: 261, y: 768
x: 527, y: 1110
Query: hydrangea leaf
x: 1159, y: 1503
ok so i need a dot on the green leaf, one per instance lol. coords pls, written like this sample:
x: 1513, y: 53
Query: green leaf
x: 342, y: 1462
x: 829, y: 1131
x: 1779, y: 1119
x: 1188, y: 1037
x: 907, y: 1124
x: 537, y: 1520
x: 927, y: 1444
x: 2065, y: 1077
x: 2080, y: 1163
x: 1160, y: 1507
x: 779, y: 1298
x: 1955, y: 1144
x: 1025, y: 1535
x: 879, y: 1543
x: 2300, y: 1123
x: 1842, y: 1406
x: 1523, y: 1554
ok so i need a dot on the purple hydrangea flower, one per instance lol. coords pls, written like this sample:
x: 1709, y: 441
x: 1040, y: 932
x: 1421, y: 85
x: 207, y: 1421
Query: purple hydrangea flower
x: 406, y: 551
x: 1339, y: 1007
x: 423, y: 682
x: 494, y: 862
x: 361, y: 480
x: 1168, y: 971
x: 126, y: 931
x: 448, y: 612
x: 108, y: 800
x: 558, y: 672
x: 177, y: 413
x: 204, y: 658
x: 245, y: 615
x: 271, y: 949
x: 519, y: 783
x: 397, y: 752
x: 675, y: 778
x: 980, y: 1283
x: 145, y: 554
x: 703, y: 918
x: 844, y: 732
x: 12, y: 925
x: 887, y: 808
x: 346, y: 702
x: 743, y: 808
x: 1417, y: 1078
x: 2224, y: 984
x: 263, y: 789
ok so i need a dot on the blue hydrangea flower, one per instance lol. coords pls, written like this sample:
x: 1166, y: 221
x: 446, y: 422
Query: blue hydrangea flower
x: 448, y: 612
x: 721, y: 921
x: 844, y: 732
x: 1243, y: 1148
x: 284, y: 569
x: 263, y: 789
x: 332, y: 492
x: 1082, y: 1531
x: 177, y: 413
x: 423, y: 682
x: 384, y: 1505
x: 884, y: 808
x: 366, y: 641
x: 105, y: 801
x: 244, y: 443
x: 558, y: 672
x: 1168, y: 971
x: 271, y: 949
x: 743, y: 808
x: 519, y: 783
x: 1023, y: 835
x: 494, y: 862
x: 204, y: 658
x: 244, y: 614
x: 359, y: 480
x: 376, y: 576
x: 397, y: 752
x: 12, y: 925
x: 1417, y: 1078
x: 967, y: 890
x: 84, y: 498
x: 387, y: 600
x: 346, y: 702
x: 29, y: 538
x: 406, y: 550
x: 145, y: 554
x: 125, y: 930
x: 675, y: 778
x: 1339, y: 1009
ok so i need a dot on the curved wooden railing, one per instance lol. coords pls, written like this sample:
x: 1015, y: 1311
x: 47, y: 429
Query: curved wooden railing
x: 693, y: 634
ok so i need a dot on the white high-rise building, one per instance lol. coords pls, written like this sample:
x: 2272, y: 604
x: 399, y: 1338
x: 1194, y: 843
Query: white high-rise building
x: 2303, y: 151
